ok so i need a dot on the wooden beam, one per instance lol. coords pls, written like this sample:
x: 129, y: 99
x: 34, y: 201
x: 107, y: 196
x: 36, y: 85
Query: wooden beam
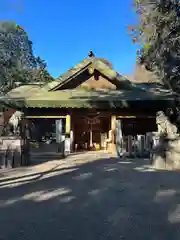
x: 58, y: 117
x: 91, y: 70
x: 112, y: 132
x: 118, y: 117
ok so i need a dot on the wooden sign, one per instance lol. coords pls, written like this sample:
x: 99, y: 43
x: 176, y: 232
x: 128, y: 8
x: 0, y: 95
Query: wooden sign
x: 93, y: 118
x: 93, y: 121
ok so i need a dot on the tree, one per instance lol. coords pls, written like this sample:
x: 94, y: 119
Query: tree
x: 17, y: 61
x: 41, y: 74
x: 158, y: 34
x: 142, y: 75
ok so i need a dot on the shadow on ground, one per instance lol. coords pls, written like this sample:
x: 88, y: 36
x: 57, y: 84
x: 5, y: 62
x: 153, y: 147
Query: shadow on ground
x: 44, y: 157
x: 102, y: 199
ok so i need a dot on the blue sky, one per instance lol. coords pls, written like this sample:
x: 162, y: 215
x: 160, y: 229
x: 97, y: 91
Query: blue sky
x: 63, y: 32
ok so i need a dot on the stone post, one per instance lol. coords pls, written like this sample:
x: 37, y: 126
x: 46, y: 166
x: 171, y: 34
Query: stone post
x: 119, y: 140
x: 130, y: 146
x: 59, y: 136
x: 142, y: 145
x: 148, y: 142
x: 25, y: 142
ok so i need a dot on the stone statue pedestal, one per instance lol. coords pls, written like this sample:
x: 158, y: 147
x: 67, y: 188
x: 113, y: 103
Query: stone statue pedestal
x: 166, y: 155
x: 10, y: 152
x: 172, y: 153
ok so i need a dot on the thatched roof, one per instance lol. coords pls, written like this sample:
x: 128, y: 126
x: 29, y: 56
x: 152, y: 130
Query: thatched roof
x: 79, y: 98
x: 24, y: 91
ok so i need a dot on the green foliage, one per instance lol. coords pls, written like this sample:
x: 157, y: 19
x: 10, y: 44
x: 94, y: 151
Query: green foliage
x: 17, y: 61
x: 158, y: 33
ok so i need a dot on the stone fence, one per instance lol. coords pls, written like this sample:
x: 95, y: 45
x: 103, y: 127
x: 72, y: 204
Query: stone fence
x: 137, y: 146
x: 10, y: 152
x: 46, y: 150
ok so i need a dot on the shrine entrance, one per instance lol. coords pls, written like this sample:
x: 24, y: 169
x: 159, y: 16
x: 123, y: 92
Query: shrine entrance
x: 90, y: 131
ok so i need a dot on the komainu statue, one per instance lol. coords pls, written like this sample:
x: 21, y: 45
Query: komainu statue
x: 167, y: 153
x: 14, y: 122
x: 165, y: 127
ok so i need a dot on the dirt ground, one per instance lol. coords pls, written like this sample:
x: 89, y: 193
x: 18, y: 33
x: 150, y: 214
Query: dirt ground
x: 89, y: 196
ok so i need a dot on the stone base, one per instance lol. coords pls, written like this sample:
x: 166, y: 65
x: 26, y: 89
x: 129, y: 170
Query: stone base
x: 158, y: 161
x: 167, y: 155
x: 10, y: 152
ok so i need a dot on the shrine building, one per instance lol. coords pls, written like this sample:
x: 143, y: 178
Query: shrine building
x: 91, y: 105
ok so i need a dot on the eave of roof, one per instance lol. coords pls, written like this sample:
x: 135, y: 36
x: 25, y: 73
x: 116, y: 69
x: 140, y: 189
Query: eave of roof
x: 79, y: 98
x: 24, y: 91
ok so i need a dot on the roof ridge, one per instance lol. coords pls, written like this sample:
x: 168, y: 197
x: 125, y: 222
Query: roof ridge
x: 88, y: 59
x: 100, y: 64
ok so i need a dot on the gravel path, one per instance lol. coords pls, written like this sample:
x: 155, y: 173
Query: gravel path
x: 89, y: 197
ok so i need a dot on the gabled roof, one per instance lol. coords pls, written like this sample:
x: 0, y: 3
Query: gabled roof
x: 49, y: 96
x: 98, y: 64
x: 69, y: 74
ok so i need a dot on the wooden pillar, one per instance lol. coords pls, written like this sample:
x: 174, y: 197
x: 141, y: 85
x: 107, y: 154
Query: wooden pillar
x: 68, y: 124
x: 67, y: 147
x: 72, y: 134
x: 91, y: 137
x: 113, y: 131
